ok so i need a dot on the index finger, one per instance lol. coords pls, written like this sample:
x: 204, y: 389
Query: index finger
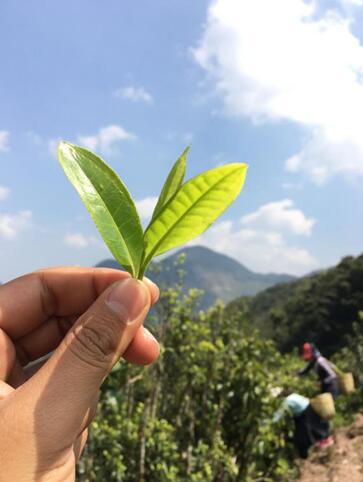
x: 28, y: 301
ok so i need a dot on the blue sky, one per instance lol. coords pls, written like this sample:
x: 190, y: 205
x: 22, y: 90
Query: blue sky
x: 274, y: 83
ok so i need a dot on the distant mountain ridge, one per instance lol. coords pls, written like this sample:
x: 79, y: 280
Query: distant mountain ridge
x: 218, y: 275
x: 321, y: 307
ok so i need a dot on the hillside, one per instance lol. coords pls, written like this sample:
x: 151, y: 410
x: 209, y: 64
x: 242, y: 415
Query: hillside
x: 321, y: 307
x: 218, y: 275
x: 343, y: 461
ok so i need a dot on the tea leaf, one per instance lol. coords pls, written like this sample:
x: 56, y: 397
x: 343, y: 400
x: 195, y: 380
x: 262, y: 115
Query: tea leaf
x: 108, y: 202
x: 196, y: 205
x: 173, y: 182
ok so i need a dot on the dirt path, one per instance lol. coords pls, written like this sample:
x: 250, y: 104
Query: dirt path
x: 343, y: 462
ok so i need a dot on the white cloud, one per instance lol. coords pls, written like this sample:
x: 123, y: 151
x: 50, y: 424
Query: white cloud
x: 280, y: 215
x: 35, y: 138
x: 280, y: 60
x: 354, y: 3
x: 145, y: 207
x: 76, y: 240
x: 4, y: 193
x: 50, y: 145
x: 135, y: 94
x: 262, y: 239
x: 106, y: 138
x: 53, y: 146
x: 175, y: 136
x: 12, y: 224
x: 4, y: 141
x: 188, y: 137
x: 261, y: 250
x: 296, y: 186
x: 79, y: 241
x: 322, y: 157
x: 104, y: 142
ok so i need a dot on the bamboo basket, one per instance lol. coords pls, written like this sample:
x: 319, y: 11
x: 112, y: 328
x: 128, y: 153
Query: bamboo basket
x: 346, y: 383
x: 323, y: 405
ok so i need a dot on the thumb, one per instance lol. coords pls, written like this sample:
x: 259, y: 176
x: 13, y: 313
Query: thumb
x: 102, y: 334
x: 67, y: 384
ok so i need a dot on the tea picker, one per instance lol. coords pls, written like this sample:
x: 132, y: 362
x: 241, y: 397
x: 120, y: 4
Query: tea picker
x: 323, y: 367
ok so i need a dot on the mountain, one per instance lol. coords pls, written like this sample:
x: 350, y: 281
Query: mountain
x: 321, y: 308
x: 218, y: 275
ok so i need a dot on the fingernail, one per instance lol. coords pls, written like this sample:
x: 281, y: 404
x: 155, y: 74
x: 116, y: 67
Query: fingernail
x: 149, y: 282
x: 148, y: 335
x: 154, y: 287
x: 128, y: 299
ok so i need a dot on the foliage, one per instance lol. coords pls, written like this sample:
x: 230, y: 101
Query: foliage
x: 183, y: 211
x: 202, y: 413
x: 350, y: 359
x: 321, y: 308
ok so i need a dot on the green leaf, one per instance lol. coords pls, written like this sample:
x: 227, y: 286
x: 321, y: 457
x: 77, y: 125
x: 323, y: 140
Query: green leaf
x: 108, y: 202
x: 196, y: 205
x: 173, y: 182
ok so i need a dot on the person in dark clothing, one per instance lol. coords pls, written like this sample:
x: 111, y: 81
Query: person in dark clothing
x: 309, y: 427
x: 323, y: 368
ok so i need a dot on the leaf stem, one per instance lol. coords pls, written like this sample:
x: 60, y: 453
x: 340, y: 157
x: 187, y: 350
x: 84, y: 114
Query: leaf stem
x: 143, y: 265
x: 140, y: 276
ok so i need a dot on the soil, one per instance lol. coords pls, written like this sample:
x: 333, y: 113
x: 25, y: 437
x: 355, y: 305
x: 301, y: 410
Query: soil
x: 341, y: 462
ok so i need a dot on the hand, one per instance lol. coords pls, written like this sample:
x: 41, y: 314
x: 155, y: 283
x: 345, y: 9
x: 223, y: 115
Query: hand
x: 88, y: 318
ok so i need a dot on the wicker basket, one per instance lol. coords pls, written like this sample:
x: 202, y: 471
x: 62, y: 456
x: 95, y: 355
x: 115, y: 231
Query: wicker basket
x: 323, y: 405
x: 346, y: 383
